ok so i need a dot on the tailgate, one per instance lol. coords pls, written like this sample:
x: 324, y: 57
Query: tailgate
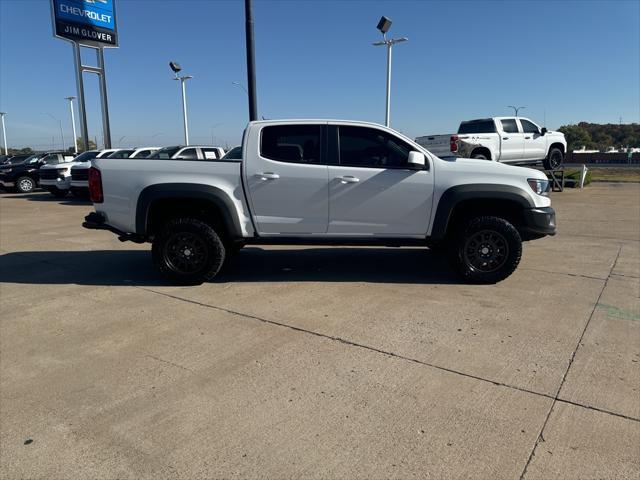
x: 439, y: 145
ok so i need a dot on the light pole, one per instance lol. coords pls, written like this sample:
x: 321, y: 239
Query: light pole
x: 251, y: 60
x: 384, y: 25
x: 213, y: 128
x: 515, y: 109
x: 176, y: 68
x: 61, y: 133
x: 73, y: 123
x: 4, y: 133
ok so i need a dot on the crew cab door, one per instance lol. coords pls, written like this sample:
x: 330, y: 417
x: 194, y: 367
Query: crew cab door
x: 511, y: 140
x: 535, y: 145
x: 372, y: 189
x: 287, y: 179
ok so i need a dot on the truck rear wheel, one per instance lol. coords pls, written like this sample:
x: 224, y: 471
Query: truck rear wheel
x: 554, y: 159
x: 486, y: 249
x: 479, y: 156
x: 188, y: 251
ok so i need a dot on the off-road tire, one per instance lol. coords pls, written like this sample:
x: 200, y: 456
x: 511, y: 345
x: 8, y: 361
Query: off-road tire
x: 485, y: 249
x: 25, y: 185
x: 188, y: 251
x: 554, y: 160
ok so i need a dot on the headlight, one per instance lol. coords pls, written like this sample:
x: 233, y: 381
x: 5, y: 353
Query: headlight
x: 541, y: 187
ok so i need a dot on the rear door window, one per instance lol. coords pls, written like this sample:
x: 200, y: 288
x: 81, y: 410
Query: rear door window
x: 291, y: 143
x: 477, y: 126
x: 509, y: 125
x: 210, y: 153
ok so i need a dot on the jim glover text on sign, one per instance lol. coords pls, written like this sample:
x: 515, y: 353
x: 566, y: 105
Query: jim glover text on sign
x: 88, y: 22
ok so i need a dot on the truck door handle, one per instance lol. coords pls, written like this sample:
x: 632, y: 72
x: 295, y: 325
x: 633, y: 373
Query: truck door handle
x: 527, y: 138
x: 268, y: 175
x: 349, y: 179
x: 505, y: 138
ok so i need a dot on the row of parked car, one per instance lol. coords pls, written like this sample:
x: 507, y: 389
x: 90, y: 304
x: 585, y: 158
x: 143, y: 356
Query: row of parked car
x: 61, y: 172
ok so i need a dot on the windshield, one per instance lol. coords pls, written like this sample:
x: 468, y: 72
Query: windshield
x: 86, y: 156
x: 18, y: 159
x: 121, y: 154
x: 166, y: 152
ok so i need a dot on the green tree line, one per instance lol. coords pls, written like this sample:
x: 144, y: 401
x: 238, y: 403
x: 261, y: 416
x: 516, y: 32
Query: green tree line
x: 597, y: 136
x: 29, y: 150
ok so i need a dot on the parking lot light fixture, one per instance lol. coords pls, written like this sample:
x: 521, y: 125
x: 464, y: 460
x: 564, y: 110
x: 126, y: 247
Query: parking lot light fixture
x: 384, y: 25
x: 239, y: 85
x: 73, y: 123
x: 4, y: 133
x: 183, y: 78
x: 515, y: 109
x: 61, y: 132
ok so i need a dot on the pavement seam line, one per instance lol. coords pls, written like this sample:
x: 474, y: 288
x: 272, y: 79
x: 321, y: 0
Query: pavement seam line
x: 597, y: 409
x: 563, y: 273
x: 564, y: 376
x: 168, y: 362
x: 383, y: 352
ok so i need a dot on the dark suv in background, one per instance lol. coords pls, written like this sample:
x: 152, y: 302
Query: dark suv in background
x: 22, y: 175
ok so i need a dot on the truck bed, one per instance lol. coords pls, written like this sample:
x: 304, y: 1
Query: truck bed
x: 125, y: 179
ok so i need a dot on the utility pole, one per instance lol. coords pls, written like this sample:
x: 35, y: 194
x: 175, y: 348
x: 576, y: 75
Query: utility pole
x: 4, y: 133
x: 251, y: 60
x: 73, y: 123
x: 384, y: 25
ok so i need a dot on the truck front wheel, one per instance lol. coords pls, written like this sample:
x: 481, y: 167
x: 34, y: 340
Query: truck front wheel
x: 486, y: 249
x: 554, y: 159
x: 188, y: 251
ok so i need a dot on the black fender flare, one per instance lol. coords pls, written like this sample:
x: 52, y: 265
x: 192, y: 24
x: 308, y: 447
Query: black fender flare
x: 477, y: 191
x: 198, y: 191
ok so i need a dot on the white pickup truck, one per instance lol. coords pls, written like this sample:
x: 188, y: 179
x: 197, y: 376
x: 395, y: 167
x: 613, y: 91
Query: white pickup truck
x: 515, y: 140
x: 321, y: 182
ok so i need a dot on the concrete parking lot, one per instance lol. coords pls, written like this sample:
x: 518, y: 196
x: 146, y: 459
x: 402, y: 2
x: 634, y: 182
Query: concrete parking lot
x: 320, y: 362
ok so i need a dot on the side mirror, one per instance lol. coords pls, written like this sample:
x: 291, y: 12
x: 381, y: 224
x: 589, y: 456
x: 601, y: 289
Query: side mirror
x: 416, y: 160
x: 543, y: 132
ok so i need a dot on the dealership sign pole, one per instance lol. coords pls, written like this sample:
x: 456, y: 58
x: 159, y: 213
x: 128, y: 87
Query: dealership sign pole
x: 92, y: 24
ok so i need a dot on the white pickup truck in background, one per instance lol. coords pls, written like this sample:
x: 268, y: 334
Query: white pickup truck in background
x: 321, y: 182
x: 515, y: 140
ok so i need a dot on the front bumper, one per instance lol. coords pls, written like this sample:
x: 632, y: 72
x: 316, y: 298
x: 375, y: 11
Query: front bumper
x: 539, y: 222
x: 59, y: 183
x: 80, y: 184
x: 7, y: 184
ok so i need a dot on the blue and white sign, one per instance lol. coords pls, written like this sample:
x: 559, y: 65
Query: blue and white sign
x: 88, y: 22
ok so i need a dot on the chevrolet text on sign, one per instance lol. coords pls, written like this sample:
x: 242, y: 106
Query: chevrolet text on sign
x: 90, y: 22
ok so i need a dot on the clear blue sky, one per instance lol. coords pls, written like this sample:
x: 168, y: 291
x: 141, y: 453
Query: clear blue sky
x: 574, y: 61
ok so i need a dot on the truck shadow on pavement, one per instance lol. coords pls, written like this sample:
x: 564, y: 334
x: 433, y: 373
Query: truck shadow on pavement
x: 252, y: 264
